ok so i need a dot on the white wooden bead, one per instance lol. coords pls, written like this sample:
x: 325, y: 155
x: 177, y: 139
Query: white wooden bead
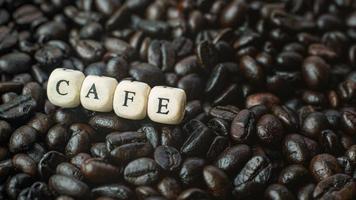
x: 63, y: 87
x: 97, y: 93
x: 166, y: 105
x: 130, y: 99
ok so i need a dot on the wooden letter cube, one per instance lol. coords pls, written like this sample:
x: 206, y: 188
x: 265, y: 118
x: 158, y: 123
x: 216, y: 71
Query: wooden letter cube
x: 130, y: 99
x: 166, y: 105
x: 63, y: 87
x: 97, y: 93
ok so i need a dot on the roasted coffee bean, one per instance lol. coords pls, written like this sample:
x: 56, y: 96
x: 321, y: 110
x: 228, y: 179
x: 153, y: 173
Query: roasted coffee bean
x: 277, y: 191
x: 98, y: 171
x: 161, y: 54
x: 6, y: 167
x: 330, y: 142
x: 193, y: 193
x: 191, y: 170
x: 172, y: 137
x: 79, y: 142
x: 243, y: 126
x: 57, y: 137
x: 313, y: 124
x: 22, y: 139
x: 266, y: 99
x: 142, y: 171
x: 306, y: 192
x: 251, y: 70
x: 25, y: 164
x: 293, y: 176
x: 337, y: 186
x: 224, y: 112
x: 167, y: 157
x: 323, y: 166
x: 67, y: 169
x: 198, y: 142
x: 348, y: 121
x: 117, y: 67
x: 14, y: 63
x: 233, y: 158
x: 5, y: 131
x: 287, y: 117
x: 99, y: 150
x: 89, y: 50
x: 253, y: 177
x: 147, y: 73
x: 298, y: 149
x: 16, y: 183
x: 169, y: 188
x: 41, y: 122
x: 270, y: 130
x: 68, y: 186
x: 217, y: 181
x: 127, y: 146
x: 108, y: 123
x: 48, y: 163
x: 143, y: 192
x: 114, y: 191
x: 19, y: 108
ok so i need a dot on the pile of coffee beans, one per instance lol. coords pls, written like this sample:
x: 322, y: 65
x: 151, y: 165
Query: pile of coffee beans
x: 271, y: 100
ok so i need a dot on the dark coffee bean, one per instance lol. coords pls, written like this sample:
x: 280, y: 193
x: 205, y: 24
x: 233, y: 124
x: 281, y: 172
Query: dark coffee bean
x: 351, y: 153
x: 5, y: 131
x: 152, y: 134
x: 91, y: 31
x: 89, y: 50
x: 270, y: 130
x: 16, y: 183
x: 217, y: 181
x: 117, y: 67
x: 36, y: 152
x: 233, y: 158
x: 168, y: 158
x: 6, y: 168
x: 330, y: 142
x: 48, y: 163
x: 227, y: 113
x: 348, y: 121
x: 108, y: 123
x: 191, y: 170
x: 79, y: 159
x: 198, y: 142
x: 293, y: 176
x: 298, y: 149
x: 289, y: 60
x: 41, y: 122
x: 182, y: 46
x: 287, y: 117
x: 8, y: 38
x: 266, y: 99
x: 25, y: 164
x: 207, y: 54
x: 14, y: 63
x: 323, y: 166
x: 306, y: 192
x: 99, y: 150
x: 114, y: 191
x: 57, y: 137
x: 313, y: 124
x: 253, y: 177
x: 337, y: 186
x: 193, y: 193
x: 169, y: 188
x: 172, y: 137
x: 251, y: 70
x: 151, y: 27
x: 79, y: 142
x: 277, y: 191
x: 233, y: 14
x: 315, y: 72
x: 161, y: 54
x: 67, y: 169
x: 192, y: 84
x: 22, y: 139
x: 217, y: 79
x: 18, y: 109
x: 98, y: 171
x: 68, y: 186
x: 142, y: 171
x: 49, y: 55
x: 243, y: 126
x: 147, y: 73
x: 143, y: 192
x: 186, y: 66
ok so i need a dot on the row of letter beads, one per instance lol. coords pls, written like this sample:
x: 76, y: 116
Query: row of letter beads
x: 129, y: 99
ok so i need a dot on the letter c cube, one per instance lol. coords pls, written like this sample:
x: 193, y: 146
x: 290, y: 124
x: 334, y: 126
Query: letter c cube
x: 63, y: 87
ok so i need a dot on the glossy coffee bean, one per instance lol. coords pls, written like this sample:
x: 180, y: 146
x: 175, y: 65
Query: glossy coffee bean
x: 142, y: 171
x: 98, y: 171
x: 277, y: 191
x: 167, y: 157
x: 336, y: 186
x: 68, y: 186
x: 323, y: 166
x: 243, y: 126
x: 269, y: 129
x: 22, y: 139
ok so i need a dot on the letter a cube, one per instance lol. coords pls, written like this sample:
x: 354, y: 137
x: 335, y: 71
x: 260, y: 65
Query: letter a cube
x: 166, y: 105
x: 63, y: 87
x: 130, y: 99
x: 97, y: 93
